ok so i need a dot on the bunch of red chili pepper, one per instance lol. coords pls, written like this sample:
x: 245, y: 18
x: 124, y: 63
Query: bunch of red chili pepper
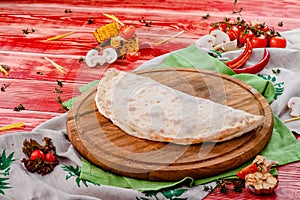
x: 237, y: 63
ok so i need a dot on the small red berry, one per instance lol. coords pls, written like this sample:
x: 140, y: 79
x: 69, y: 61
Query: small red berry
x: 37, y: 154
x: 49, y: 157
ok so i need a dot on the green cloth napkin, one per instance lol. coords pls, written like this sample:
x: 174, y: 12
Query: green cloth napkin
x: 282, y: 147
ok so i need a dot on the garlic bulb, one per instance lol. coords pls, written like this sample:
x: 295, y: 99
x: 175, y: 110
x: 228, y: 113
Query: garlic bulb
x: 261, y: 183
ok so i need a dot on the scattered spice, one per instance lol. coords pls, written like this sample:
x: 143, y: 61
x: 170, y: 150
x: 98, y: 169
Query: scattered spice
x: 276, y: 71
x: 11, y: 126
x: 4, y: 86
x: 147, y: 23
x: 60, y: 36
x: 39, y: 73
x: 113, y: 17
x: 19, y: 108
x: 227, y: 185
x: 26, y: 31
x: 206, y: 16
x: 58, y: 91
x: 91, y: 20
x: 57, y: 66
x: 4, y: 69
x: 237, y: 11
x: 68, y: 10
x: 58, y: 98
x: 208, y: 188
x: 280, y: 24
x: 80, y: 60
x: 45, y: 162
x: 292, y: 119
x: 174, y: 36
x: 59, y: 83
x: 63, y: 107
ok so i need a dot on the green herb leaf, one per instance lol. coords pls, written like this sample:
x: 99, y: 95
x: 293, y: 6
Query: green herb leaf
x: 280, y: 24
x: 19, y: 108
x: 68, y: 11
x: 206, y: 16
x: 58, y: 91
x: 91, y: 20
x: 59, y: 83
x: 80, y: 59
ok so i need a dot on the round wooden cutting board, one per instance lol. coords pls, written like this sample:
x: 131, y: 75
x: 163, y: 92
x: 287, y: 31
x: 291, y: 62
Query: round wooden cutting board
x: 105, y: 145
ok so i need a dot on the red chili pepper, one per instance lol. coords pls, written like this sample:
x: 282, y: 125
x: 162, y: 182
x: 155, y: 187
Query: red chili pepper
x: 247, y: 170
x: 242, y: 59
x: 256, y: 68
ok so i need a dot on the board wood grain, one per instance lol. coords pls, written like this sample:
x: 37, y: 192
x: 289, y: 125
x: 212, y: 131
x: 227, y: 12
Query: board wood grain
x: 105, y: 145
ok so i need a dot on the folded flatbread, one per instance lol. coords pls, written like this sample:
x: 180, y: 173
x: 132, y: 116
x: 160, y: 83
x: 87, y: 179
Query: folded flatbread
x: 146, y: 109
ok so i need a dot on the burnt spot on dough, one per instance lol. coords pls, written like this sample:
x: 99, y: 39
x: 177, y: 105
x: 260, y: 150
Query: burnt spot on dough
x: 132, y: 109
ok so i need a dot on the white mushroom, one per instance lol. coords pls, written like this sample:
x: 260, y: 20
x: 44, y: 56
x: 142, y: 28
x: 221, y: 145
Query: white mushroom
x: 206, y: 42
x: 294, y: 105
x: 220, y: 37
x: 228, y: 46
x: 109, y: 55
x: 90, y: 58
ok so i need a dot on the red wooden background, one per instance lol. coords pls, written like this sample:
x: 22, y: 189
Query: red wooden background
x: 24, y: 53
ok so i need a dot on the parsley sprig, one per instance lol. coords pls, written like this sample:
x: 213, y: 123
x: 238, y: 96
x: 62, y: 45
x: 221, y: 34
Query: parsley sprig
x: 58, y: 91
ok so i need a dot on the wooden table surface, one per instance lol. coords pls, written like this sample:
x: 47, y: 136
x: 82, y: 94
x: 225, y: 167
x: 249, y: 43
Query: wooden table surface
x: 32, y: 79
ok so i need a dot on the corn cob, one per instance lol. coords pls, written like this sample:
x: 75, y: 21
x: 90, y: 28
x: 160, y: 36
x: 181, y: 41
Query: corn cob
x: 107, y: 31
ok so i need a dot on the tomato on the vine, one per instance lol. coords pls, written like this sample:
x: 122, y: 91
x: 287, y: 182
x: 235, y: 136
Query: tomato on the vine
x: 133, y: 56
x: 212, y: 29
x: 259, y: 41
x: 37, y: 154
x: 222, y: 26
x: 233, y: 32
x: 262, y: 27
x: 230, y: 21
x: 127, y: 31
x: 245, y: 35
x: 277, y: 42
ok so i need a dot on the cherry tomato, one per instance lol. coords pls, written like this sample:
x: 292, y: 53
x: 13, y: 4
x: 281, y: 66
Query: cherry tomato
x: 49, y: 157
x: 127, y: 31
x: 244, y: 25
x: 259, y: 41
x: 262, y: 27
x: 222, y: 26
x: 278, y: 42
x: 230, y: 21
x: 212, y: 29
x: 245, y: 35
x: 37, y: 154
x: 133, y: 56
x: 247, y: 170
x: 233, y: 33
